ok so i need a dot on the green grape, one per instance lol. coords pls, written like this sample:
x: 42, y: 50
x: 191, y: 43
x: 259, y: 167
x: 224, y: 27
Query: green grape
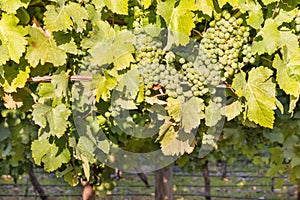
x: 225, y: 43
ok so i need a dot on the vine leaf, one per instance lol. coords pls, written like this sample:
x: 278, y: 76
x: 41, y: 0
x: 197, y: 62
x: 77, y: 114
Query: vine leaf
x: 117, y: 50
x: 117, y: 6
x: 206, y: 6
x: 233, y: 110
x: 212, y: 114
x: 104, y: 84
x: 11, y: 6
x: 85, y: 148
x: 286, y: 16
x: 176, y: 143
x: 43, y: 49
x: 130, y: 83
x: 174, y: 109
x: 56, y: 118
x: 12, y: 103
x: 256, y: 17
x: 63, y: 17
x: 12, y: 39
x: 271, y: 38
x: 179, y: 19
x: 285, y: 82
x: 18, y: 82
x: 192, y: 113
x: 234, y: 3
x: 49, y: 154
x: 146, y: 3
x: 39, y: 113
x: 259, y: 92
x: 60, y: 82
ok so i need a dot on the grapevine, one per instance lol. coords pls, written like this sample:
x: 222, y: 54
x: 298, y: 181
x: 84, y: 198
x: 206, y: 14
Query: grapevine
x: 69, y: 69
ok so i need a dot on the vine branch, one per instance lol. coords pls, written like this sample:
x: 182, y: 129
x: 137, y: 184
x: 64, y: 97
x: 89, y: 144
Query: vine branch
x: 39, y: 79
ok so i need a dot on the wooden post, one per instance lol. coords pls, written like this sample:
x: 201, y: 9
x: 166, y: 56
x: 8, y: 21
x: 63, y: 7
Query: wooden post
x: 223, y: 169
x: 205, y: 172
x: 37, y: 186
x: 164, y: 184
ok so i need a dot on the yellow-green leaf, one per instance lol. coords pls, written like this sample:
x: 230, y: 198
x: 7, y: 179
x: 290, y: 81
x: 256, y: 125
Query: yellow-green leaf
x: 259, y: 92
x: 179, y: 18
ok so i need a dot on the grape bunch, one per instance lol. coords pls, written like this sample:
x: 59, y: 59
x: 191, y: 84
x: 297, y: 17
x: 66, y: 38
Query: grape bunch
x: 202, y: 74
x: 225, y: 41
x: 163, y: 75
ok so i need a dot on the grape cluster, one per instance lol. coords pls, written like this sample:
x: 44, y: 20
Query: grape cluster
x: 202, y: 74
x: 139, y: 19
x: 225, y: 40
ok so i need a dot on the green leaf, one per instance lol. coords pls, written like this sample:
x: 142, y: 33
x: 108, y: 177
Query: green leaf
x: 43, y: 49
x: 18, y: 82
x: 12, y: 39
x: 78, y: 14
x: 206, y: 6
x: 286, y: 16
x: 256, y: 17
x: 86, y: 147
x: 58, y: 120
x: 174, y: 143
x: 11, y: 6
x: 233, y: 110
x: 51, y: 155
x: 86, y: 167
x: 290, y: 41
x: 39, y: 114
x: 39, y: 149
x: 274, y: 136
x: 46, y: 91
x: 179, y: 19
x: 285, y: 82
x: 117, y: 50
x: 192, y: 113
x: 259, y: 92
x: 117, y: 6
x: 57, y: 19
x: 233, y: 3
x: 130, y: 83
x: 5, y: 133
x: 64, y: 17
x: 104, y: 84
x: 293, y: 103
x: 52, y: 160
x: 174, y: 109
x: 61, y: 82
x: 271, y: 38
x: 295, y: 172
x: 146, y: 3
x: 212, y: 114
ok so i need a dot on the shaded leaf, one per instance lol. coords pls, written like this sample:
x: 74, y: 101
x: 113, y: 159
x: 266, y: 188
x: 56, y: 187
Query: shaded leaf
x: 233, y: 110
x: 192, y: 113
